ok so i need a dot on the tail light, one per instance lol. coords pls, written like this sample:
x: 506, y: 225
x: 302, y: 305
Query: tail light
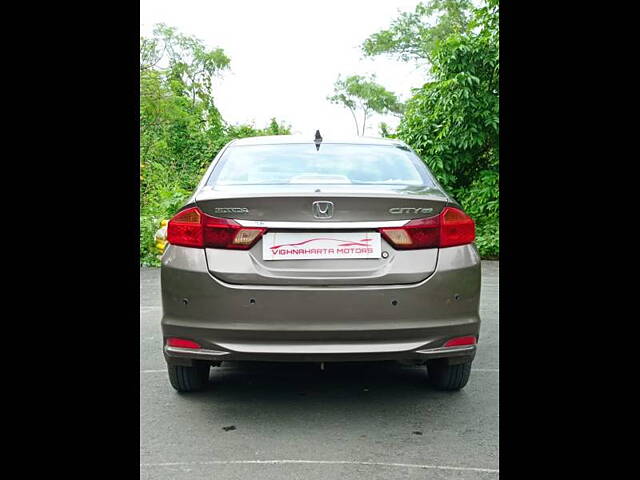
x: 193, y: 228
x: 457, y: 228
x: 452, y: 227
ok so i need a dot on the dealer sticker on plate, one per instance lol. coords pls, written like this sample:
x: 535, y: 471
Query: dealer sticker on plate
x: 324, y: 245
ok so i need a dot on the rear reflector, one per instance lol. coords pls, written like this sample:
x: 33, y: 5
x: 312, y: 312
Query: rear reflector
x: 193, y: 228
x: 182, y: 343
x: 455, y: 342
x: 452, y: 227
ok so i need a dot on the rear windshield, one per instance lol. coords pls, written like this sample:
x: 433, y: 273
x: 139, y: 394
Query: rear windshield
x: 332, y: 164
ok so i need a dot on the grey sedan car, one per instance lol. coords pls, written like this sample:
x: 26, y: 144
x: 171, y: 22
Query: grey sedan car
x: 295, y: 249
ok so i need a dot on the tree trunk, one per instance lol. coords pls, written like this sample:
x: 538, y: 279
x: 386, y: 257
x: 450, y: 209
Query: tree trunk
x: 355, y: 120
x: 364, y: 121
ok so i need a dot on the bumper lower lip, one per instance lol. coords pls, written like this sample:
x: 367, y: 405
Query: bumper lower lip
x: 460, y: 351
x: 219, y: 355
x: 199, y: 353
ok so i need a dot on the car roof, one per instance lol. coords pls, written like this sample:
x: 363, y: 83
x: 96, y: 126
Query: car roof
x: 289, y: 139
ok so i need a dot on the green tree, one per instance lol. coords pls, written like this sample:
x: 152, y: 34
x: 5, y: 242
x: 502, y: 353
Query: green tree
x: 359, y: 93
x: 415, y: 35
x: 177, y: 112
x: 189, y: 65
x: 453, y: 121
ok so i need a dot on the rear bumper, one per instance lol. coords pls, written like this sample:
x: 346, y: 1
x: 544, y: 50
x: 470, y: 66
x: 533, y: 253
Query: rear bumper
x: 185, y: 356
x: 314, y: 323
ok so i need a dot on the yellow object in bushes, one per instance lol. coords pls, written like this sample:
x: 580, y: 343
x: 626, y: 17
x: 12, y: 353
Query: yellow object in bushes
x: 161, y: 236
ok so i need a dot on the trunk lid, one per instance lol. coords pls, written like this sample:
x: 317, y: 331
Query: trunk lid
x: 275, y: 203
x: 354, y: 209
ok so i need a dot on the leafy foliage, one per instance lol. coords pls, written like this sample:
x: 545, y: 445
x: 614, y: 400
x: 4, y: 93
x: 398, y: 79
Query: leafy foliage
x: 415, y: 35
x: 359, y: 93
x: 181, y: 130
x: 452, y: 121
x: 385, y: 131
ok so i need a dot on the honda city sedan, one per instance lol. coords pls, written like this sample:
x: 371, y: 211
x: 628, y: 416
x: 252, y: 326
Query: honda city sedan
x: 295, y: 249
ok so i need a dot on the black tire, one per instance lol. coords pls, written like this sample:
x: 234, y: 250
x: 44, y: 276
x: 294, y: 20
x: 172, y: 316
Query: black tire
x: 189, y: 379
x: 448, y: 377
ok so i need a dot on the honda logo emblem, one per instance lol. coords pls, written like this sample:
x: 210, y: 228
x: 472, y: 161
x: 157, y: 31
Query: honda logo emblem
x: 322, y: 209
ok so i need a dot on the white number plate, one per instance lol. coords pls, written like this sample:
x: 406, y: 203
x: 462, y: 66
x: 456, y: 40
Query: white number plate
x: 320, y: 245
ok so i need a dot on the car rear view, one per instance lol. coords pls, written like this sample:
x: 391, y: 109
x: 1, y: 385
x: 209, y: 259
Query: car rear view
x: 299, y: 251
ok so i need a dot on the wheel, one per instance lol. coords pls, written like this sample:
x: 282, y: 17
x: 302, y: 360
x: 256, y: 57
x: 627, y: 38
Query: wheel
x: 448, y: 377
x: 189, y: 379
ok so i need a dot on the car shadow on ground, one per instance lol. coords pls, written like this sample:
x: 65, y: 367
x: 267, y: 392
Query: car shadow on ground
x: 260, y: 410
x: 342, y: 390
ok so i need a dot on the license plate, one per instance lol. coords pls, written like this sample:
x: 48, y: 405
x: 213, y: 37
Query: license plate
x: 323, y: 245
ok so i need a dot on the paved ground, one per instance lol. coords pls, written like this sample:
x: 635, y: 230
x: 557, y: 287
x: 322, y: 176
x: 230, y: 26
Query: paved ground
x: 374, y: 421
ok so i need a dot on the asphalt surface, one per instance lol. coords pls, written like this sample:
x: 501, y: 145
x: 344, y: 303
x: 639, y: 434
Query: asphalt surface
x: 290, y: 421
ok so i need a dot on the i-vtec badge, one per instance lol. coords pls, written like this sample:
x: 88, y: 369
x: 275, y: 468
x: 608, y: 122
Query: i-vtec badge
x: 232, y: 210
x: 409, y: 210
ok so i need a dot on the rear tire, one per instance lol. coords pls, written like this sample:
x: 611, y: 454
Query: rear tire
x: 189, y: 379
x: 448, y: 377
